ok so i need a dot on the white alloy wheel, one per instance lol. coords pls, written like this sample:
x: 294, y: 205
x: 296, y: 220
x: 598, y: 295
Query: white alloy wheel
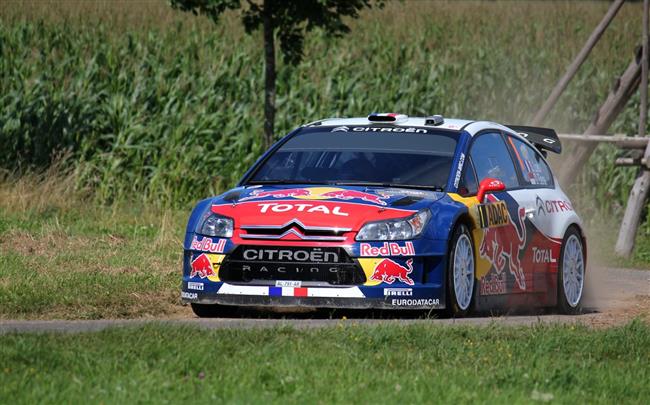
x: 573, y: 270
x: 463, y: 271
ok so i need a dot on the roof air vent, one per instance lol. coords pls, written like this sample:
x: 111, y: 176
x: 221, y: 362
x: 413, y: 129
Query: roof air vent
x: 434, y: 120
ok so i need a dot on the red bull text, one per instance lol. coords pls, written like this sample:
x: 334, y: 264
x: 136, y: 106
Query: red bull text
x: 388, y: 249
x: 207, y: 245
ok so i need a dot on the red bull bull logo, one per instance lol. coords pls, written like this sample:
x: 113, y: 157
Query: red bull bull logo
x: 202, y: 267
x: 388, y: 271
x: 505, y: 242
x: 343, y: 194
x: 287, y: 193
x: 318, y: 193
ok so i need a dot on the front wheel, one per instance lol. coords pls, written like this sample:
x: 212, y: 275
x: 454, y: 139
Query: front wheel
x: 571, y: 273
x: 213, y: 310
x: 460, y: 273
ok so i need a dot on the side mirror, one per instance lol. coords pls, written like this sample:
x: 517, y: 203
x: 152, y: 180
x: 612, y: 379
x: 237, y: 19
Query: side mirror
x: 489, y: 185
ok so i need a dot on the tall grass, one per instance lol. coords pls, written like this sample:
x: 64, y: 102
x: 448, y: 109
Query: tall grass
x: 154, y: 103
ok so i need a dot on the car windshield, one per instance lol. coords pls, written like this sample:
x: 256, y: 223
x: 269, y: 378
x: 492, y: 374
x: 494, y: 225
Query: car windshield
x: 351, y: 156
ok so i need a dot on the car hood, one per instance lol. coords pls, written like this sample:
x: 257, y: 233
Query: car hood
x: 311, y: 206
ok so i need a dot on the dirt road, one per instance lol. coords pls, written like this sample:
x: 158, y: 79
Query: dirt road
x: 613, y: 296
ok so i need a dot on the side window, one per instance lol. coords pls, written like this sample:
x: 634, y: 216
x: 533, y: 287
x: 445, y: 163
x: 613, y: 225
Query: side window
x: 468, y: 184
x: 533, y: 167
x: 492, y: 159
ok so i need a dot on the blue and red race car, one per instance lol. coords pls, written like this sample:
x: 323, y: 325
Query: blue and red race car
x: 391, y: 212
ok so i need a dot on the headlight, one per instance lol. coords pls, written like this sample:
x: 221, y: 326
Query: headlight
x: 216, y: 225
x: 396, y: 229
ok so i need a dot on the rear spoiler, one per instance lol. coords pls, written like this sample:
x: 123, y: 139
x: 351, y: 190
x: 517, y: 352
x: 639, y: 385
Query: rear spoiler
x: 542, y: 138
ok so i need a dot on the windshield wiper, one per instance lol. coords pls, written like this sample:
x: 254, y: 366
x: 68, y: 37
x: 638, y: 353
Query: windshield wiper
x: 371, y: 184
x: 265, y: 182
x: 340, y: 183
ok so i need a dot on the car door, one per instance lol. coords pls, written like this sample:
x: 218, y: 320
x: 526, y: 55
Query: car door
x: 502, y: 220
x: 540, y: 200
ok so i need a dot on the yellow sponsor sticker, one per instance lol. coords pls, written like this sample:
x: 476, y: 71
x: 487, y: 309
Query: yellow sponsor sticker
x: 215, y: 260
x: 368, y: 265
x: 493, y: 214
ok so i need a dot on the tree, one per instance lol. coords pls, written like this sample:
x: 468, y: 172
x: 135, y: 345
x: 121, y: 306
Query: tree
x: 289, y: 21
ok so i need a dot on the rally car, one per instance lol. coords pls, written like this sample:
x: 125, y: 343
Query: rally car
x: 392, y: 212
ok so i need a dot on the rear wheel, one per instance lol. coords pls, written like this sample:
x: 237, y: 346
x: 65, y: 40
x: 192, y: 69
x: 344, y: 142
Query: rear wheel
x: 460, y: 273
x: 213, y: 310
x: 571, y: 273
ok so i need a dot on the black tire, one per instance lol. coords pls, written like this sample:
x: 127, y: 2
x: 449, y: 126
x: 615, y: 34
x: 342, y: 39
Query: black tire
x: 564, y: 304
x: 213, y: 310
x: 460, y: 308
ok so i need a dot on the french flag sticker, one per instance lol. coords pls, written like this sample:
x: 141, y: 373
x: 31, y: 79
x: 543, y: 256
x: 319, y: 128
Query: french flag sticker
x: 287, y: 292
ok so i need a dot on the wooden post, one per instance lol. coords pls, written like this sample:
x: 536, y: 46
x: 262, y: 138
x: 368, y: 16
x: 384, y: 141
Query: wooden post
x: 623, y: 89
x: 621, y: 141
x: 577, y: 62
x: 627, y: 161
x: 644, y: 73
x: 632, y: 217
x: 639, y: 193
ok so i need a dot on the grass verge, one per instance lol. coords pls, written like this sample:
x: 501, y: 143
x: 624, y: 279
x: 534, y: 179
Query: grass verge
x: 61, y: 257
x: 344, y: 364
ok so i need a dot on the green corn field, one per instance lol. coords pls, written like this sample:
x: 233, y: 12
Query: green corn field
x: 148, y: 103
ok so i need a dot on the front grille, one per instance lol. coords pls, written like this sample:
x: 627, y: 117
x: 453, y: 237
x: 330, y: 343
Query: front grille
x: 294, y: 228
x: 265, y: 264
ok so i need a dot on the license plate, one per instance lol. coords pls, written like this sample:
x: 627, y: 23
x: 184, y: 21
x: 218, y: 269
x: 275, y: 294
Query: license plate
x: 288, y: 283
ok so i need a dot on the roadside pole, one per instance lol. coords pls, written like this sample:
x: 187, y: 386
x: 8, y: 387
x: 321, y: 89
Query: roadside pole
x: 639, y: 193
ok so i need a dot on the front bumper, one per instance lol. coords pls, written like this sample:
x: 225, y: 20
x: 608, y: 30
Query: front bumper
x: 355, y: 297
x: 402, y: 275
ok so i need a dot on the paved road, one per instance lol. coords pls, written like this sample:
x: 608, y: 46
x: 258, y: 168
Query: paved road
x: 607, y: 291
